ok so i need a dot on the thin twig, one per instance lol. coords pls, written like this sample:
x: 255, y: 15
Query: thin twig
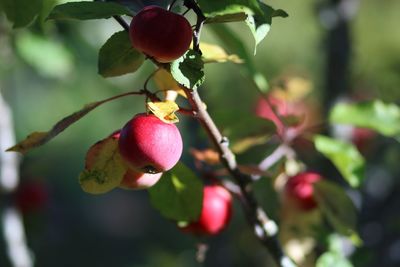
x: 191, y: 4
x: 274, y: 157
x: 264, y: 228
x: 171, y: 5
x: 122, y: 22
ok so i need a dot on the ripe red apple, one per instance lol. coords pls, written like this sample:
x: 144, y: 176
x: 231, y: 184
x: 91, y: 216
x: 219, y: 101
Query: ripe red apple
x: 160, y: 33
x: 139, y: 180
x: 299, y: 190
x: 150, y: 145
x: 215, y: 214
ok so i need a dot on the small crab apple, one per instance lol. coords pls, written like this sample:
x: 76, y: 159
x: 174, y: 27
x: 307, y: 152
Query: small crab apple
x: 160, y: 34
x: 150, y: 145
x: 300, y: 191
x: 138, y: 180
x: 215, y: 213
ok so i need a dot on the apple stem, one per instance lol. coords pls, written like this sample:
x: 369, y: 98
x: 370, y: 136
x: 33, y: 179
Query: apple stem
x: 122, y: 22
x: 264, y: 228
x: 184, y: 13
x: 171, y: 5
x: 191, y: 4
x: 188, y: 112
x: 280, y: 152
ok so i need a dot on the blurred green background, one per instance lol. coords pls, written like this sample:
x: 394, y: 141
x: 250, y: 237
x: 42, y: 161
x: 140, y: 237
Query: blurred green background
x: 50, y: 70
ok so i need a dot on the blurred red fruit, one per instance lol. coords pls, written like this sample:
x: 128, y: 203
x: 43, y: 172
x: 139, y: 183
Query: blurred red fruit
x: 215, y: 214
x: 300, y: 191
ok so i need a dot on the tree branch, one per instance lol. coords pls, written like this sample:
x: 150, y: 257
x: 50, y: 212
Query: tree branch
x: 264, y: 228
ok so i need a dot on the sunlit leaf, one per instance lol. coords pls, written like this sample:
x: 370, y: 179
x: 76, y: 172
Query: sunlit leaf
x: 165, y: 110
x: 292, y: 88
x: 345, y: 156
x: 257, y: 15
x: 104, y: 168
x: 377, y: 115
x: 88, y: 10
x: 248, y: 142
x: 213, y: 53
x: 188, y: 70
x: 232, y: 43
x: 118, y: 57
x: 178, y: 195
x: 165, y: 82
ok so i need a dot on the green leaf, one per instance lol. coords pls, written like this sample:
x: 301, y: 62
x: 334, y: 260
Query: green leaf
x: 21, y: 12
x: 104, y: 168
x: 212, y: 8
x: 88, y: 10
x: 337, y: 207
x: 178, y: 195
x: 260, y: 24
x: 118, y: 57
x: 331, y: 259
x: 233, y: 44
x: 188, y: 70
x: 257, y: 15
x: 377, y: 115
x: 345, y: 156
x: 136, y: 6
x: 55, y: 63
x: 36, y: 139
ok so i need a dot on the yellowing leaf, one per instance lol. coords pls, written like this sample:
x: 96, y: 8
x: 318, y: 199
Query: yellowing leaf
x: 31, y: 141
x: 249, y: 142
x: 165, y: 82
x: 104, y: 168
x: 165, y: 110
x: 216, y: 54
x: 209, y: 156
x: 293, y: 88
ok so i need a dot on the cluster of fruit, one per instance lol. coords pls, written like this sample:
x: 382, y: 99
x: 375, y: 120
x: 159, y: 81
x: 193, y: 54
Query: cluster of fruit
x: 151, y: 146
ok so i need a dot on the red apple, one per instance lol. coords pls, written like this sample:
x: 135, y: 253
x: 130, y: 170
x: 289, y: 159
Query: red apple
x: 160, y: 34
x: 139, y: 180
x: 300, y: 191
x: 150, y: 145
x: 215, y: 214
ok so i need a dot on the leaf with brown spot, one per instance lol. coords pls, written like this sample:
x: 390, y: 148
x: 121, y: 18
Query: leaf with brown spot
x: 104, y: 167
